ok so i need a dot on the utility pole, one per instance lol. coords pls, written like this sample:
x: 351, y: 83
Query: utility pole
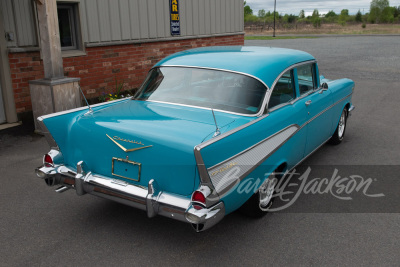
x: 274, y: 17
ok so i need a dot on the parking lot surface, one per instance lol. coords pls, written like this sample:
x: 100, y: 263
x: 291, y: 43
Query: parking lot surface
x: 41, y: 227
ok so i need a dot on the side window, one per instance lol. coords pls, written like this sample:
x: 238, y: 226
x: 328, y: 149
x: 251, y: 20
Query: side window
x: 306, y: 79
x: 283, y: 91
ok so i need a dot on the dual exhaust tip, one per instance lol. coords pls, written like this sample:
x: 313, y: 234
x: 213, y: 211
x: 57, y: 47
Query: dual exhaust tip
x: 50, y: 180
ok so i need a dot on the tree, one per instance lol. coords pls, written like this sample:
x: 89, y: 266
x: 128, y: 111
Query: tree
x: 396, y: 11
x: 387, y: 15
x: 291, y: 18
x: 301, y: 14
x: 359, y: 16
x: 261, y: 13
x: 380, y: 4
x: 247, y: 9
x: 377, y: 12
x: 344, y: 12
x: 331, y: 14
x: 343, y: 17
x: 316, y: 21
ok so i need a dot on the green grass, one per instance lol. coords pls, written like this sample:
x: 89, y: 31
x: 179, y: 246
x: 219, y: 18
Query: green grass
x: 277, y: 37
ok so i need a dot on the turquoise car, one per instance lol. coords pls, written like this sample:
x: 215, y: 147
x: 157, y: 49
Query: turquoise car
x: 204, y: 123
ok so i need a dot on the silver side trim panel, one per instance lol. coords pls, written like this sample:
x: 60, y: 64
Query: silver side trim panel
x: 204, y: 177
x: 239, y: 166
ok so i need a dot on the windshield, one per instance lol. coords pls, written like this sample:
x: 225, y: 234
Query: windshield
x: 203, y: 88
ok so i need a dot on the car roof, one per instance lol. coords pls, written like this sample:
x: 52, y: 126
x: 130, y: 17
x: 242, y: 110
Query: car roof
x: 265, y: 63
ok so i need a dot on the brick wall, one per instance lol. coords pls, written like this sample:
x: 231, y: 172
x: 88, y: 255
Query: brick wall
x: 99, y: 68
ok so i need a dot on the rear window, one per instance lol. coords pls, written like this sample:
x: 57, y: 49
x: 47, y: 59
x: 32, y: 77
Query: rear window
x: 214, y: 89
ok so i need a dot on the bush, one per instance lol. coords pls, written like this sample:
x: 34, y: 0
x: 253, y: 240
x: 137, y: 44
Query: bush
x: 364, y: 26
x: 316, y: 22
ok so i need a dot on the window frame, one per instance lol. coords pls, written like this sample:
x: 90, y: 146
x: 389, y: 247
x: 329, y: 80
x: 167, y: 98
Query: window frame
x: 313, y: 77
x: 72, y: 19
x: 298, y: 96
x: 294, y: 85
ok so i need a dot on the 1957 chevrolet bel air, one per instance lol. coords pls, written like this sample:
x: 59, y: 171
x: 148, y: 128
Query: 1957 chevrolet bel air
x: 204, y: 122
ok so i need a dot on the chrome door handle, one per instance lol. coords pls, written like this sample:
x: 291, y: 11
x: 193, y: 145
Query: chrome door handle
x: 308, y: 103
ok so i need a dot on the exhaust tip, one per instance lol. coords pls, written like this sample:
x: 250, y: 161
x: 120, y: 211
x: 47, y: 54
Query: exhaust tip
x: 40, y: 173
x: 62, y: 189
x: 50, y: 181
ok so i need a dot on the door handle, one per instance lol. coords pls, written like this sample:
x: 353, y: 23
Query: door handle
x: 308, y: 103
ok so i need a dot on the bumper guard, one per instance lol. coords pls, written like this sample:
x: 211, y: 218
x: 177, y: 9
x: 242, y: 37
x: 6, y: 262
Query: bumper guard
x: 151, y: 199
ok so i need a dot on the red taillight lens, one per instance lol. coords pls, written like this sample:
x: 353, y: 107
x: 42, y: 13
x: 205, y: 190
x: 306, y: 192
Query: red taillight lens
x: 198, y: 197
x: 48, y: 161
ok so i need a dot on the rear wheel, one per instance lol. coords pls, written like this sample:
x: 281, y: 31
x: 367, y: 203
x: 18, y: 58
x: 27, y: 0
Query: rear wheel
x: 338, y: 136
x: 259, y: 204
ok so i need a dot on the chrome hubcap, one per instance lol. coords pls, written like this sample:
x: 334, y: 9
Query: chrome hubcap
x: 266, y: 193
x: 342, y: 124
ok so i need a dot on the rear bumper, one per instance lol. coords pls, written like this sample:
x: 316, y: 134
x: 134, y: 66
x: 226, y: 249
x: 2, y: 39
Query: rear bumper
x: 151, y: 199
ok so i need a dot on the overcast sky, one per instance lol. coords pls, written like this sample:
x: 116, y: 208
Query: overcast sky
x: 294, y: 6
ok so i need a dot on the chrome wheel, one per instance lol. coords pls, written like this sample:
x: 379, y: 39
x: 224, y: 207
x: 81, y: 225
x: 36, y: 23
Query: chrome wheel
x: 266, y: 193
x: 342, y: 125
x: 338, y: 135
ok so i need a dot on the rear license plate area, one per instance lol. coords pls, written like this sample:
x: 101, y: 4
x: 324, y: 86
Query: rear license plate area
x: 126, y: 169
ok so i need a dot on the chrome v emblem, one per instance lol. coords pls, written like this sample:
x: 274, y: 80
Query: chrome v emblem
x: 123, y: 148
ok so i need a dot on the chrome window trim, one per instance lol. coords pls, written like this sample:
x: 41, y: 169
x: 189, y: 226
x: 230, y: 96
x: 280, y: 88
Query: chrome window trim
x: 258, y: 114
x: 198, y: 107
x: 313, y: 61
x: 81, y: 108
x: 294, y: 100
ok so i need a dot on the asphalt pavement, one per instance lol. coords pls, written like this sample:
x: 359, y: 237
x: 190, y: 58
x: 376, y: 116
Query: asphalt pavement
x: 39, y: 227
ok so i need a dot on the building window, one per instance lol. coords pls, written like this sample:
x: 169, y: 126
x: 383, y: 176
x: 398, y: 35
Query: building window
x: 67, y: 22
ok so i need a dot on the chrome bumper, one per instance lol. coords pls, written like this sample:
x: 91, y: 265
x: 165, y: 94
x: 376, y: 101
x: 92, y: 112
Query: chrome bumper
x: 151, y: 199
x: 350, y: 110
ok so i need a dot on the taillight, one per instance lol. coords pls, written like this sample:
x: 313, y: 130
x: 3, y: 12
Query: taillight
x: 198, y: 200
x: 48, y: 161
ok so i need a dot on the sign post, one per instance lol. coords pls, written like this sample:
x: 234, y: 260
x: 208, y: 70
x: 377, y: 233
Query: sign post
x: 175, y: 20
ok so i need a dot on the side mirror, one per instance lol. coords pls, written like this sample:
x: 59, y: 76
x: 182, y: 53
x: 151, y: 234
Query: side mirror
x: 324, y: 88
